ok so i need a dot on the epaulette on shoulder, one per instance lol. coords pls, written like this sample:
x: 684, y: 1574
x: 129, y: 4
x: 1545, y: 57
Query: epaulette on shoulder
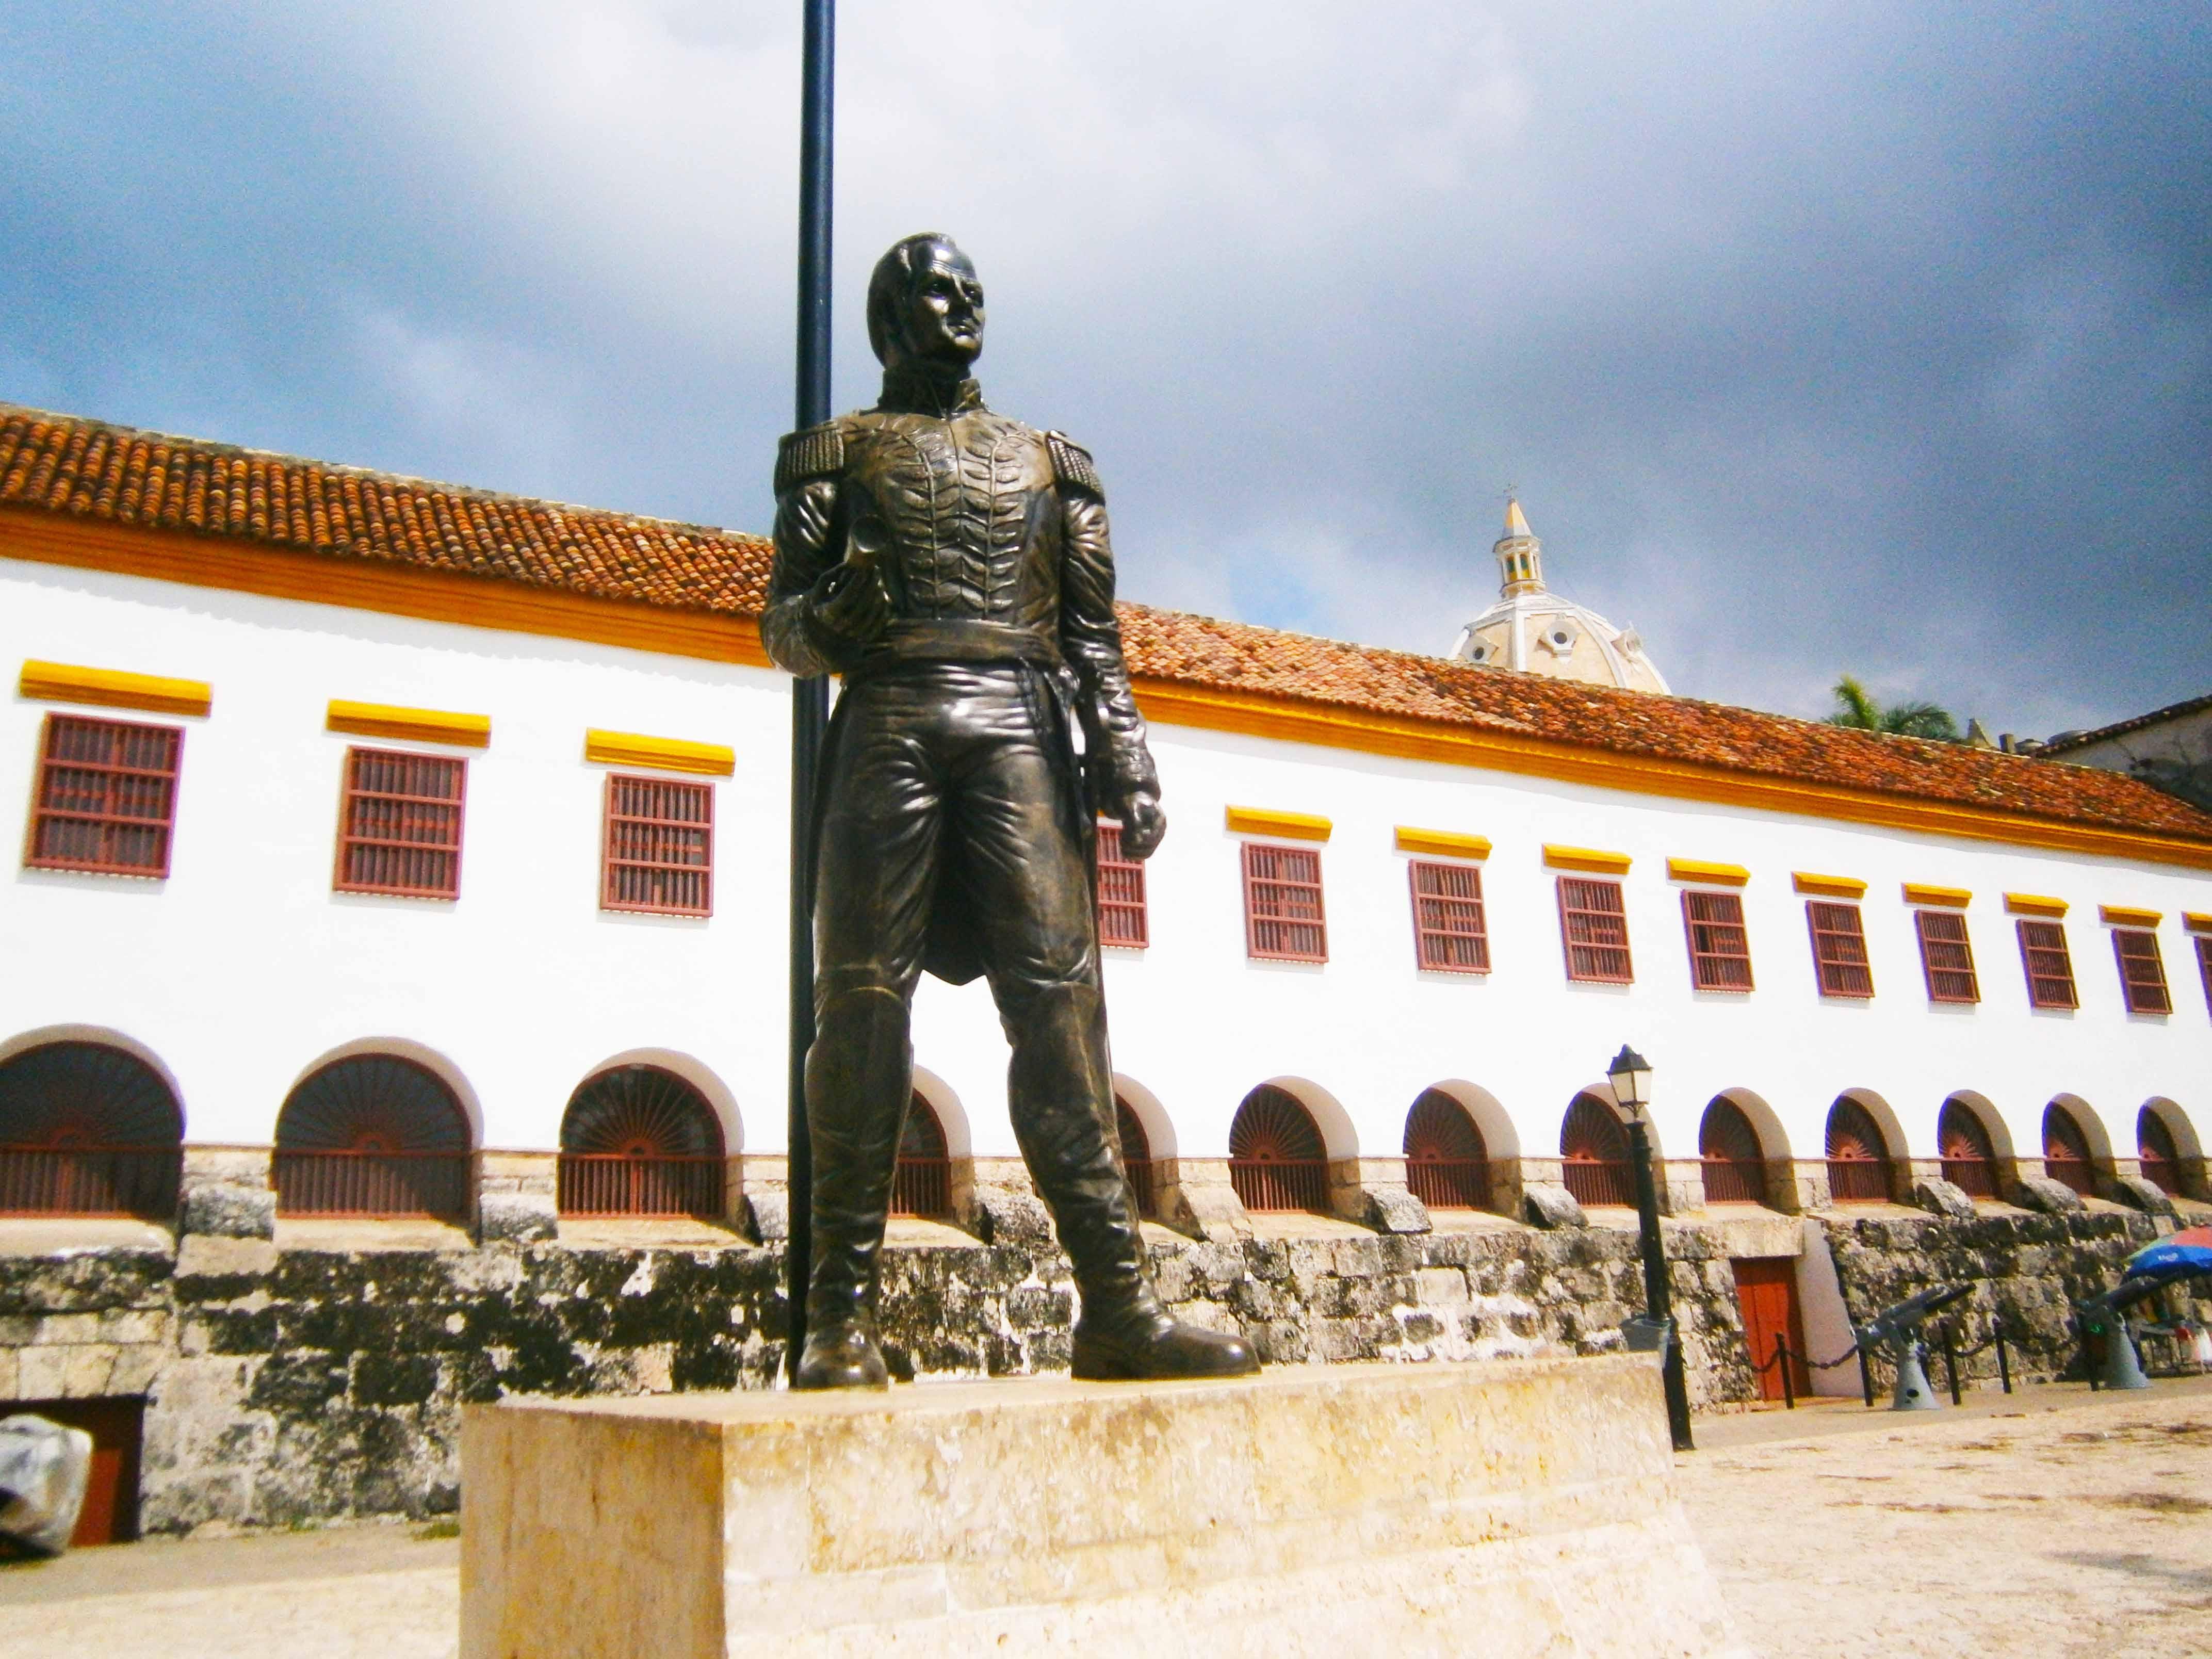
x: 817, y: 453
x: 1072, y: 465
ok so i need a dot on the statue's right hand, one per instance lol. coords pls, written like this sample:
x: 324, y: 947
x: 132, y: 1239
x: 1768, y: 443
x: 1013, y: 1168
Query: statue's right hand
x: 850, y: 603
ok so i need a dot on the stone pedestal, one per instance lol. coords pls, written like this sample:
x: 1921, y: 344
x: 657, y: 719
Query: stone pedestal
x: 1520, y: 1507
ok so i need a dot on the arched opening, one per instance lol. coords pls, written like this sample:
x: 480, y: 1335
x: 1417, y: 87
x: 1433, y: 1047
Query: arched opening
x: 1734, y: 1164
x: 1594, y: 1152
x: 2066, y: 1156
x: 1970, y: 1158
x: 1277, y: 1158
x: 372, y: 1135
x: 640, y: 1140
x: 1858, y: 1155
x: 1137, y: 1159
x: 1447, y: 1162
x: 922, y: 1184
x: 86, y: 1129
x: 2159, y: 1150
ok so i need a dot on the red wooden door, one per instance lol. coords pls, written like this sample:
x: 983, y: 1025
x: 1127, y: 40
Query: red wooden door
x: 110, y: 1514
x: 1767, y: 1289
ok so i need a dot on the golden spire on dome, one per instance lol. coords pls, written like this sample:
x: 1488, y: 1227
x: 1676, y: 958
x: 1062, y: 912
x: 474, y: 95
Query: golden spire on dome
x: 1515, y: 524
x: 1520, y: 555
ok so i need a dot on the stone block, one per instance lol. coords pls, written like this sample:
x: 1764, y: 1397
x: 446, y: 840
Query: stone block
x: 1368, y: 1508
x: 1940, y: 1197
x: 226, y: 1209
x: 1209, y: 1211
x: 768, y: 1215
x: 1006, y: 1215
x: 2145, y: 1196
x: 1393, y: 1210
x: 517, y: 1219
x: 2046, y: 1196
x: 1439, y: 1287
x: 1547, y: 1206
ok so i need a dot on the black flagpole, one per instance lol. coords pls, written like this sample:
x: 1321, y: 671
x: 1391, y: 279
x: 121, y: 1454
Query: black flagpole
x: 810, y: 698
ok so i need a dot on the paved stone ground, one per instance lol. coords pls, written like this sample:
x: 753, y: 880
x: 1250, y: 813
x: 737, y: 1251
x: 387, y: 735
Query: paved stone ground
x: 2052, y: 1525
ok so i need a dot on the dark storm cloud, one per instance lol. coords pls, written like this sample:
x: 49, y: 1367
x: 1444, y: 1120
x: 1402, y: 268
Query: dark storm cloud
x: 1816, y: 338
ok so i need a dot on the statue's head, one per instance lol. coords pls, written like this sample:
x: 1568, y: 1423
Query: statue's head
x: 926, y: 305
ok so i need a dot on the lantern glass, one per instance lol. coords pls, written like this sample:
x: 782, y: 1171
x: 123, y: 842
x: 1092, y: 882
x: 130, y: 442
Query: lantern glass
x: 1631, y: 1077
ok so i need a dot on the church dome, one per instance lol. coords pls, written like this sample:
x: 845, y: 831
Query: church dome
x: 1533, y: 630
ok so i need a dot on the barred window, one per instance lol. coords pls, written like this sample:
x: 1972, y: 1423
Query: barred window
x: 1720, y: 949
x: 1122, y: 919
x: 1283, y: 919
x: 400, y: 832
x: 1947, y: 957
x: 2142, y: 971
x: 1839, y: 953
x: 2204, y: 967
x: 107, y: 796
x: 1449, y: 933
x: 659, y: 847
x: 2049, y: 967
x: 1593, y: 930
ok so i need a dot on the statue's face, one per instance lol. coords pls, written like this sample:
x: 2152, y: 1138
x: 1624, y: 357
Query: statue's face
x: 944, y: 322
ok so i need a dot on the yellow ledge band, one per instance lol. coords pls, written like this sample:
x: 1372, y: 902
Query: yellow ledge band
x: 1443, y: 843
x: 1954, y: 898
x: 663, y: 754
x: 1286, y: 826
x: 1585, y: 858
x: 376, y: 720
x: 1827, y: 886
x: 2034, y: 904
x: 111, y: 688
x: 1712, y: 875
x: 2196, y: 921
x: 2121, y: 916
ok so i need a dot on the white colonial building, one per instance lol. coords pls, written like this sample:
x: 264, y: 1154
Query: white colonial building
x: 424, y: 836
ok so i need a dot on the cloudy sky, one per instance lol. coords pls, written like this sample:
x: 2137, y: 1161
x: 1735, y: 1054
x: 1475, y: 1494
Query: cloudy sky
x: 1816, y: 337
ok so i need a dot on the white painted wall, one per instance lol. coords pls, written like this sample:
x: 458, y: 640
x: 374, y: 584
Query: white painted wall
x: 243, y: 969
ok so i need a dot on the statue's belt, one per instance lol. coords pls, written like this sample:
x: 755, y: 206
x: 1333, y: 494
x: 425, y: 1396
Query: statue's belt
x: 962, y: 640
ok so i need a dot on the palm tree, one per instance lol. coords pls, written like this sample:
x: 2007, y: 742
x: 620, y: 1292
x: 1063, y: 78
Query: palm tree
x: 1856, y: 708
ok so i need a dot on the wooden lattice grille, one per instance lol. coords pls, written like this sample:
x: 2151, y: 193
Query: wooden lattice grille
x: 1947, y: 957
x: 2142, y: 971
x: 1137, y: 1159
x: 2047, y: 964
x: 1277, y: 1158
x: 1970, y: 1161
x: 1447, y: 1162
x: 1449, y: 931
x: 372, y: 1135
x: 1283, y: 915
x: 2161, y: 1156
x: 1858, y: 1155
x: 659, y: 853
x: 1594, y: 1153
x: 639, y: 1140
x: 1720, y: 948
x: 107, y: 796
x: 87, y: 1130
x: 1123, y: 918
x: 921, y: 1183
x: 1734, y: 1165
x: 400, y: 830
x: 2066, y: 1151
x: 1839, y: 953
x: 1593, y: 930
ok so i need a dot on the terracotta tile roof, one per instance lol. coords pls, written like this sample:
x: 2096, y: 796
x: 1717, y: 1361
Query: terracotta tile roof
x: 62, y: 463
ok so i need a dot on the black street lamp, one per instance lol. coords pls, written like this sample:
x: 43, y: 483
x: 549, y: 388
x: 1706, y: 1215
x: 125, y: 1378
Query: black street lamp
x: 1631, y: 1077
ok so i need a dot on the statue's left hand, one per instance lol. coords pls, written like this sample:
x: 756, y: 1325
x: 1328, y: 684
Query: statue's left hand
x: 1143, y: 824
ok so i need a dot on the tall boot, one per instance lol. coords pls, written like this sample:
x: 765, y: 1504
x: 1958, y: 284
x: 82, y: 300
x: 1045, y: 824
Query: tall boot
x: 1060, y: 1092
x: 860, y: 1076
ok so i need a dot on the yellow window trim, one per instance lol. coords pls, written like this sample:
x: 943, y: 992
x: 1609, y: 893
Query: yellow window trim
x: 663, y: 754
x: 1805, y: 881
x: 111, y: 688
x: 2196, y: 921
x: 1286, y: 826
x: 376, y: 720
x: 1443, y: 843
x: 2121, y: 916
x: 1955, y: 898
x: 2033, y: 904
x: 1713, y: 875
x: 1556, y: 857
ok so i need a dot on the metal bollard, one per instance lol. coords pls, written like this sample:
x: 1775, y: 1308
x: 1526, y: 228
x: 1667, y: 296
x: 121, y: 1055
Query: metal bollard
x: 1788, y: 1386
x: 2004, y: 1363
x: 1951, y: 1358
x: 1866, y: 1378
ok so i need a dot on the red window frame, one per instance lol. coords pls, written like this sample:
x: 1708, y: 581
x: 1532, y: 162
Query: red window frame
x: 2048, y: 965
x: 1719, y: 944
x: 1947, y: 957
x: 1839, y: 953
x: 1451, y: 931
x: 1285, y: 920
x: 110, y: 808
x: 1124, y: 918
x: 2142, y: 971
x: 2204, y: 966
x: 657, y: 853
x: 1594, y: 931
x: 396, y: 839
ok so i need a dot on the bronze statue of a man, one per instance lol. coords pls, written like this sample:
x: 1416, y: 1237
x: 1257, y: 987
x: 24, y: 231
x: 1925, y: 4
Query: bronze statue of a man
x: 953, y: 565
